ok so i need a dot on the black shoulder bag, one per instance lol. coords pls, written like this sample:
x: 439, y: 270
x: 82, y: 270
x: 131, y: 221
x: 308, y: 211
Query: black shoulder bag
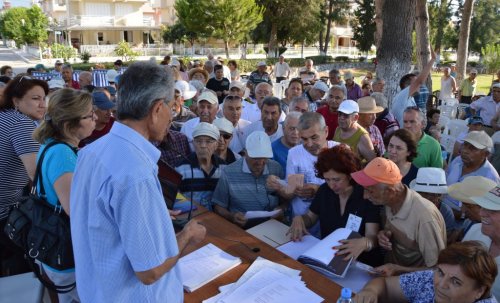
x: 41, y: 229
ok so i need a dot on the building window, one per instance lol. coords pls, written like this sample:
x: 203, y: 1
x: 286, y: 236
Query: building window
x: 100, y: 37
x: 127, y: 36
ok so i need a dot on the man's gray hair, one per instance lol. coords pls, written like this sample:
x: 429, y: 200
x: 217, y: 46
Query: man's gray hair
x: 290, y: 116
x: 67, y: 66
x: 309, y: 119
x: 264, y: 84
x: 338, y: 88
x: 421, y: 115
x: 335, y: 72
x: 299, y: 99
x: 141, y: 86
x: 380, y: 99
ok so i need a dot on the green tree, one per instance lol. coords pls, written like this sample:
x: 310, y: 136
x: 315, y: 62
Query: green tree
x: 333, y: 11
x: 123, y: 50
x: 24, y: 25
x: 364, y: 24
x: 228, y: 20
x: 491, y: 57
x: 485, y: 24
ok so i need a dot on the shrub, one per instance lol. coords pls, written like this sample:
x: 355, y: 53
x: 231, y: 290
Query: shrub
x: 321, y: 59
x: 85, y: 56
x: 342, y: 58
x: 63, y: 51
x: 123, y: 50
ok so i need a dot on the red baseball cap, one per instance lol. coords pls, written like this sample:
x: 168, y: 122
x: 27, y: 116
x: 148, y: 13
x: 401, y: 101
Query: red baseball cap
x: 379, y: 170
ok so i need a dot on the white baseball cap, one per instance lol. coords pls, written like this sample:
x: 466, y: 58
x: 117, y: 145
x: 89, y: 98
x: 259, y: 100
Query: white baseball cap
x: 321, y: 86
x: 208, y: 96
x: 206, y: 129
x: 258, y: 145
x: 348, y: 107
x: 224, y: 125
x: 111, y: 75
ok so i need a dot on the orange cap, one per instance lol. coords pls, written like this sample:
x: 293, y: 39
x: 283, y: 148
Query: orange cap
x: 379, y: 170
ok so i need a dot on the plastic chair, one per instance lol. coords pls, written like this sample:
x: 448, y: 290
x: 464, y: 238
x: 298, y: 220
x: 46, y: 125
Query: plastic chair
x: 99, y: 78
x: 456, y: 127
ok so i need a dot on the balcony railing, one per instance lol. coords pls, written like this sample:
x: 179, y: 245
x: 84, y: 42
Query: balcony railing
x: 106, y: 21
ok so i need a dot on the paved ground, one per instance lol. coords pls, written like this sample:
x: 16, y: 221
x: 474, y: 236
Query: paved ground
x: 18, y: 63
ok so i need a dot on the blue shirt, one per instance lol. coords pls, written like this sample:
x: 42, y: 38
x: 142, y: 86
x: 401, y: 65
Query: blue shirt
x: 120, y: 223
x: 280, y: 153
x: 401, y: 101
x: 418, y: 287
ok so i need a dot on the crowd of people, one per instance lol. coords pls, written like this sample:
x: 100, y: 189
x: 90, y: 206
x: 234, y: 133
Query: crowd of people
x: 427, y: 219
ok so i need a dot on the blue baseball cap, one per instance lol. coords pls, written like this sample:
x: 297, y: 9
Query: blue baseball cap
x: 111, y: 90
x: 101, y: 101
x: 476, y: 120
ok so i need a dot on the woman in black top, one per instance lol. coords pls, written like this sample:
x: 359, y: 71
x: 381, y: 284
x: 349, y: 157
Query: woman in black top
x: 402, y: 149
x: 339, y: 203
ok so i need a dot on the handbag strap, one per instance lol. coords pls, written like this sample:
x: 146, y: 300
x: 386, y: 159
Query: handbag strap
x: 38, y: 172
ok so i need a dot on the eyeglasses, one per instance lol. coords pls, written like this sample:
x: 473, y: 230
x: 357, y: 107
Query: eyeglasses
x: 344, y: 115
x: 226, y: 136
x: 203, y: 141
x: 90, y: 116
x: 231, y: 98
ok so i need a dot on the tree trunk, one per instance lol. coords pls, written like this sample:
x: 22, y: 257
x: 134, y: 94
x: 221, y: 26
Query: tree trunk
x: 394, y: 53
x: 328, y: 27
x: 441, y: 25
x: 379, y: 4
x: 226, y: 48
x: 423, y: 43
x: 463, y: 40
x: 273, y: 40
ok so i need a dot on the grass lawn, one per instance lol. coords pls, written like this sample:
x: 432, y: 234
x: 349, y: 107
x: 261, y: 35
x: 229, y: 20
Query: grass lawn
x: 483, y: 80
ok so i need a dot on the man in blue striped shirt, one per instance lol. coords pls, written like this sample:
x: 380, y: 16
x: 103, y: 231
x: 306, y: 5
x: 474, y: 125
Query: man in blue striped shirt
x: 124, y: 243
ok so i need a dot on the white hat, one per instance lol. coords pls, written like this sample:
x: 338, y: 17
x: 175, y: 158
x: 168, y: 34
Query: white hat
x: 208, y: 96
x: 348, y: 75
x: 479, y: 139
x: 224, y: 125
x: 321, y: 86
x: 186, y: 90
x: 258, y: 145
x: 496, y: 85
x: 472, y: 186
x: 111, y: 75
x: 238, y: 85
x: 56, y: 83
x: 206, y: 129
x: 430, y: 180
x: 348, y: 107
x: 473, y: 71
x: 175, y: 63
x: 261, y: 63
x: 491, y: 200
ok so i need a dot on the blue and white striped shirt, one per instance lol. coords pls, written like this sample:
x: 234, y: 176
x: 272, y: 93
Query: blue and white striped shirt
x: 120, y: 223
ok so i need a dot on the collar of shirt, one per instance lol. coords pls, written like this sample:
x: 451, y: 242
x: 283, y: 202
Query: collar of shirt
x: 133, y: 137
x: 405, y: 210
x: 246, y: 169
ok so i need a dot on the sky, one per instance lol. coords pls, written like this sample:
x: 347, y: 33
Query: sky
x: 14, y: 3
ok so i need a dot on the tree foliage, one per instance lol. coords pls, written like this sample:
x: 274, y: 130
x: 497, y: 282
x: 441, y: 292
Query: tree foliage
x: 124, y: 50
x: 229, y: 20
x: 24, y: 25
x: 485, y: 24
x: 364, y: 24
x: 332, y: 11
x: 178, y: 33
x: 491, y: 57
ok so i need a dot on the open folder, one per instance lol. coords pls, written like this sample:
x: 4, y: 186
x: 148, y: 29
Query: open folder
x: 321, y: 256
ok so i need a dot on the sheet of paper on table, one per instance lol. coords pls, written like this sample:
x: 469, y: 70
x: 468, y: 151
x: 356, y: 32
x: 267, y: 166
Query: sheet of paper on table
x: 253, y: 214
x: 204, y: 265
x: 271, y: 232
x: 257, y: 280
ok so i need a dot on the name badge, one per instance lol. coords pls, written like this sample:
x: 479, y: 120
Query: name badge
x: 354, y: 223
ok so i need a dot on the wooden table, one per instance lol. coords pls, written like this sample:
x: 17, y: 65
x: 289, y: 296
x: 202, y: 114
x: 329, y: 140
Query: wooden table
x: 219, y: 228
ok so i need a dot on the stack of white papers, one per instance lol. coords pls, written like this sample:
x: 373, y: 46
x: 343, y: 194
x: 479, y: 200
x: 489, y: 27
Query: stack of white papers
x: 204, y: 265
x: 269, y: 282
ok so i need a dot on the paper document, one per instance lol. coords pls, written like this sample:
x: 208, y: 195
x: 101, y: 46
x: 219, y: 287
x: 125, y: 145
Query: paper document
x: 271, y: 232
x: 356, y: 278
x: 295, y: 249
x: 284, y: 291
x: 204, y: 265
x: 253, y: 214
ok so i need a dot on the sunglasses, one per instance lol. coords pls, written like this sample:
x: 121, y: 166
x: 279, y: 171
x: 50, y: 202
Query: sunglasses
x: 21, y: 79
x: 226, y: 136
